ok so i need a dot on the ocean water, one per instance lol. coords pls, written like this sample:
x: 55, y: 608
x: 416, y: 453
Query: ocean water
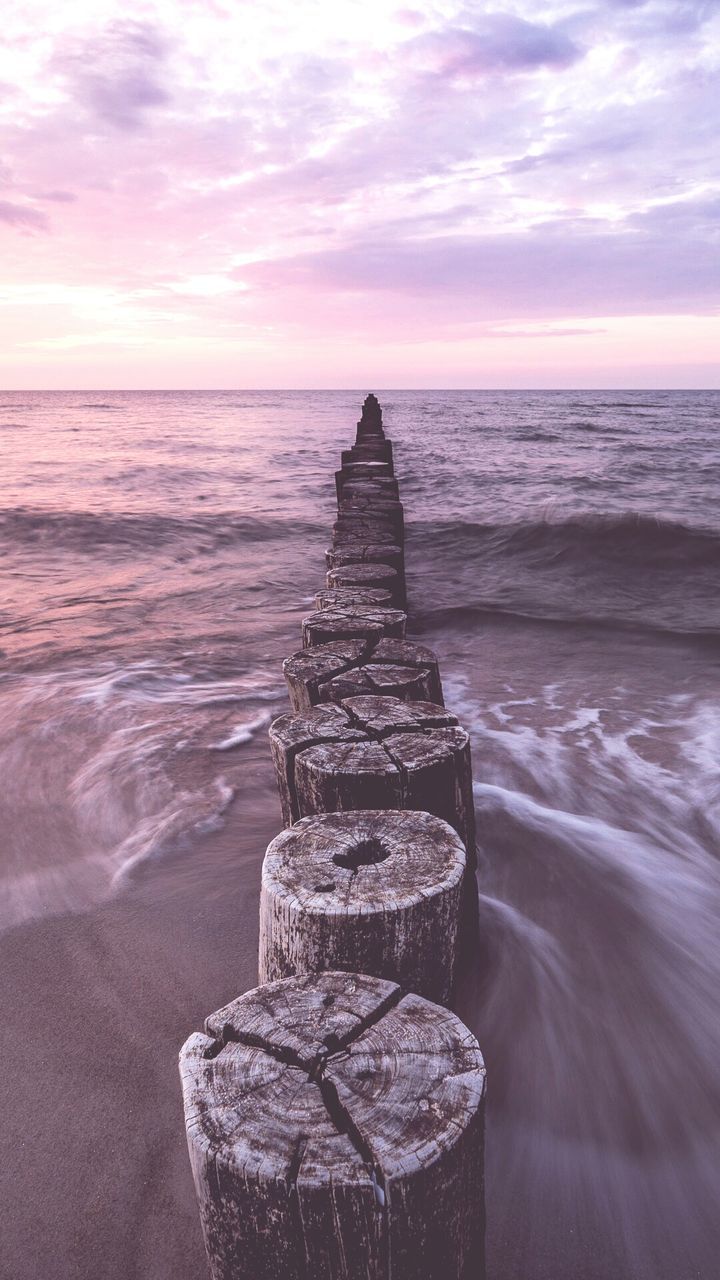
x: 563, y: 554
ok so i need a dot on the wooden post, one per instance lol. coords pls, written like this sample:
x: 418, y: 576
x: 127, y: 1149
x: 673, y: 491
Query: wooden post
x: 345, y: 668
x: 381, y: 754
x: 367, y: 575
x: 390, y: 508
x: 368, y: 892
x: 379, y: 450
x: 383, y: 487
x: 365, y: 469
x: 353, y: 528
x: 335, y: 1132
x: 358, y: 551
x: 342, y: 597
x: 356, y: 622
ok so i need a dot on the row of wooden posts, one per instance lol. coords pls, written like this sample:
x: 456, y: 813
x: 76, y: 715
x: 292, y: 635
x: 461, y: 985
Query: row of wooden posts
x: 335, y: 1114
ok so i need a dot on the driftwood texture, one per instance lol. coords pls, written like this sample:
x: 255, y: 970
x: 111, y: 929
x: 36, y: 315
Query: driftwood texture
x: 375, y: 753
x: 373, y: 503
x: 356, y: 532
x: 352, y: 623
x: 365, y: 529
x: 358, y: 551
x: 346, y: 668
x: 344, y: 596
x: 368, y: 575
x: 335, y: 1131
x: 383, y: 487
x: 367, y: 892
x: 367, y: 469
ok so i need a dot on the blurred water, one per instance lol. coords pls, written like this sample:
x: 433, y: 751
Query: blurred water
x: 158, y: 552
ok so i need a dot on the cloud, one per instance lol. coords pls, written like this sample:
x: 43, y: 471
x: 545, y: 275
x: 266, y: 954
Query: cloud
x: 20, y: 215
x: 494, y: 42
x: 443, y: 168
x: 56, y: 197
x: 566, y: 267
x: 544, y: 331
x: 115, y: 75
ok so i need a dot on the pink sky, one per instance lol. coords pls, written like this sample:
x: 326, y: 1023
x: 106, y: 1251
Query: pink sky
x: 325, y: 194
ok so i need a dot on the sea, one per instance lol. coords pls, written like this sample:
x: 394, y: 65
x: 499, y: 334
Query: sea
x: 159, y: 550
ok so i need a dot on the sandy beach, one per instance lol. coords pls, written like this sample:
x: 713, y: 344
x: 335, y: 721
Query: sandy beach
x: 94, y: 1178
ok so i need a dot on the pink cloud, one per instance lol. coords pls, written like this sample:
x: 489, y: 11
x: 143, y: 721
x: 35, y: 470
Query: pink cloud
x: 116, y: 74
x: 212, y: 184
x: 494, y: 42
x: 22, y: 216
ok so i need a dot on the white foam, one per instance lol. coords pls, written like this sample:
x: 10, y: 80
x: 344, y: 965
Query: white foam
x: 242, y: 734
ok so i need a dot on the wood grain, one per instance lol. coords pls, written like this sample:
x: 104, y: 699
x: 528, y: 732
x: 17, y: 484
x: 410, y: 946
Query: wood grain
x: 335, y: 1131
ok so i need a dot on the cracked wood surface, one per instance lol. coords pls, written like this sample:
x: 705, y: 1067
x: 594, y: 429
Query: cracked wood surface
x: 368, y: 575
x: 358, y: 551
x: 369, y: 892
x: 376, y: 753
x: 352, y: 622
x: 376, y: 525
x: 347, y: 668
x: 335, y: 1130
x: 380, y: 450
x: 347, y: 596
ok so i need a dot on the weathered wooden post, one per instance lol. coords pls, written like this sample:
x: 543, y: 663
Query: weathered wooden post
x: 368, y: 892
x: 347, y: 668
x: 367, y: 469
x: 375, y: 753
x: 368, y: 575
x: 356, y: 622
x: 335, y: 1124
x: 331, y: 597
x: 377, y: 449
x: 335, y: 1131
x: 358, y: 551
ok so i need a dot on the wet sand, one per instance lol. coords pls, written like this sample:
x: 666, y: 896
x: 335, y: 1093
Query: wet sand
x: 94, y: 1175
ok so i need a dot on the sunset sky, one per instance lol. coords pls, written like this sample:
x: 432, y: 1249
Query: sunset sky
x: 327, y: 193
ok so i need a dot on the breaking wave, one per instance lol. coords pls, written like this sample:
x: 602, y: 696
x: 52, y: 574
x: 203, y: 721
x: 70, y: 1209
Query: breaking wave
x: 89, y: 532
x: 628, y: 536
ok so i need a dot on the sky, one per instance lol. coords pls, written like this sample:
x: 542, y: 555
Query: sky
x: 330, y: 193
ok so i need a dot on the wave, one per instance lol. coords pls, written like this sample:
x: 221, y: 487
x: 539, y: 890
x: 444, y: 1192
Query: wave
x: 484, y: 611
x: 629, y: 537
x: 94, y: 532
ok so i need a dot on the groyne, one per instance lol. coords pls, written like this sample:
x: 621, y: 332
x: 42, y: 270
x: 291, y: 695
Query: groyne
x: 335, y: 1114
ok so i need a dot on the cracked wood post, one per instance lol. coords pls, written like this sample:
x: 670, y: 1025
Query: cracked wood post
x: 367, y: 469
x: 372, y: 503
x: 390, y: 508
x: 382, y: 489
x: 376, y: 450
x: 335, y: 1132
x: 358, y: 514
x: 344, y: 596
x: 368, y: 892
x: 346, y: 668
x: 355, y: 622
x: 375, y: 753
x: 368, y: 575
x: 358, y: 551
x: 347, y: 553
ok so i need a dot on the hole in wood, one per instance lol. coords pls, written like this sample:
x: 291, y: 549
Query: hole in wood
x: 324, y: 888
x: 363, y: 854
